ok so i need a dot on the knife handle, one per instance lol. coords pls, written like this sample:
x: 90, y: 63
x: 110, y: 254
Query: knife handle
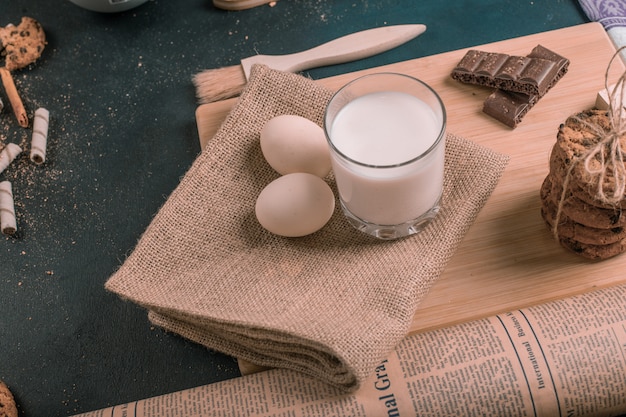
x: 345, y: 49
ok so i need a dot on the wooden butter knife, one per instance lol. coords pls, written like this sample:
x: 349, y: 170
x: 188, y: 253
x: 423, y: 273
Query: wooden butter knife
x: 222, y: 83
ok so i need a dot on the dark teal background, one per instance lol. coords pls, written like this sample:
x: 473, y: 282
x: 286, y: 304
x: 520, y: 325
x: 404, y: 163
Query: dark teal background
x: 122, y: 133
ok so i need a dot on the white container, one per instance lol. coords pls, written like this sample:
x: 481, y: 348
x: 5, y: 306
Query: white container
x: 108, y: 6
x: 386, y: 134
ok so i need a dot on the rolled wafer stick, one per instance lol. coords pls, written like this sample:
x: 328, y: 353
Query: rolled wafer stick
x: 14, y: 97
x: 8, y: 222
x: 8, y: 154
x: 40, y: 136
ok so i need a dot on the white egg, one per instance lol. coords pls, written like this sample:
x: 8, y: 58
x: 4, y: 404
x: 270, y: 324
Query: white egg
x: 293, y: 143
x: 295, y: 205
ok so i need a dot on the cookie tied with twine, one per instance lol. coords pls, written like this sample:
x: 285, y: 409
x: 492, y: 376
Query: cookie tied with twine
x: 588, y: 179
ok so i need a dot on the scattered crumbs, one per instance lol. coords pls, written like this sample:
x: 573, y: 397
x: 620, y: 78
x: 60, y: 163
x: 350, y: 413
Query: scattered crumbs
x: 38, y: 187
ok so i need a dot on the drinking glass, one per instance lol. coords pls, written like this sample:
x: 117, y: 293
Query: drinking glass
x: 386, y: 133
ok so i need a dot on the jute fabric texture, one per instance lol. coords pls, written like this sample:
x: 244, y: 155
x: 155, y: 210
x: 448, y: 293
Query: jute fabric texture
x: 332, y: 304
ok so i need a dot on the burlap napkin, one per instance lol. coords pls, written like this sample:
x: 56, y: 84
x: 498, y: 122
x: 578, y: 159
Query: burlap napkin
x: 332, y: 304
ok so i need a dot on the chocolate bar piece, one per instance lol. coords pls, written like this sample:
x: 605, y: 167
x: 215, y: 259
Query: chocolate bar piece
x: 533, y: 74
x: 511, y: 107
x: 508, y: 107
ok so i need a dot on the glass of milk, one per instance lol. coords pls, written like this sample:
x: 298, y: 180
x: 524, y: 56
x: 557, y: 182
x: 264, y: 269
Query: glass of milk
x: 386, y: 133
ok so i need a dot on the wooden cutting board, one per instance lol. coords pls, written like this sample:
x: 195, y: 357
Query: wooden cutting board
x: 508, y: 259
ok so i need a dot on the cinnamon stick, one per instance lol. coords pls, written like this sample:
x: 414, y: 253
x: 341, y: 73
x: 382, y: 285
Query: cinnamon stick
x: 14, y: 97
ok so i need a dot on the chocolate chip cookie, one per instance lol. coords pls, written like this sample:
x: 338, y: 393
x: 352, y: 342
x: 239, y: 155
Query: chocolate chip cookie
x: 22, y: 44
x: 7, y: 402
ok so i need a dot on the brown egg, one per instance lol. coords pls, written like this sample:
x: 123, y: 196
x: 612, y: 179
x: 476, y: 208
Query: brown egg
x: 292, y: 143
x: 295, y: 205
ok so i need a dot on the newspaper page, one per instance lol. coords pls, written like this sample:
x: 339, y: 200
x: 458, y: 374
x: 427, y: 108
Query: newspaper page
x: 563, y: 358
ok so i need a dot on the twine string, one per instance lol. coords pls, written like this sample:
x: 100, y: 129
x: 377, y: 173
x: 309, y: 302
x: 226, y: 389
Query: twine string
x: 606, y: 158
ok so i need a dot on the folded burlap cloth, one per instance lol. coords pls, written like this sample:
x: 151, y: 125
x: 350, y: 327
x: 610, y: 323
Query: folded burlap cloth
x: 332, y: 304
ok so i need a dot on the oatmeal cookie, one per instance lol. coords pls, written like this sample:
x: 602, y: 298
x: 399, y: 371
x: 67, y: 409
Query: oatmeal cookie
x: 567, y: 228
x: 576, y: 138
x: 594, y: 252
x: 7, y: 402
x: 22, y: 44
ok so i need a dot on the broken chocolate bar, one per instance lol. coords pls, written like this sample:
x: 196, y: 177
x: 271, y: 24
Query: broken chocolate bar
x: 510, y: 107
x: 533, y: 74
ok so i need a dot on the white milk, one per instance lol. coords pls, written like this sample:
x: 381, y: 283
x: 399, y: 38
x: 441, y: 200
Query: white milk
x: 384, y: 132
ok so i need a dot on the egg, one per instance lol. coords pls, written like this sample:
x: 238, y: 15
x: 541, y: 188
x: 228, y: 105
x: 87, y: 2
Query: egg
x: 293, y: 143
x: 295, y: 205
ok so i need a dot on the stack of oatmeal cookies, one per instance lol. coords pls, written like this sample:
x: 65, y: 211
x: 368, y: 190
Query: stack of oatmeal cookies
x: 582, y: 197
